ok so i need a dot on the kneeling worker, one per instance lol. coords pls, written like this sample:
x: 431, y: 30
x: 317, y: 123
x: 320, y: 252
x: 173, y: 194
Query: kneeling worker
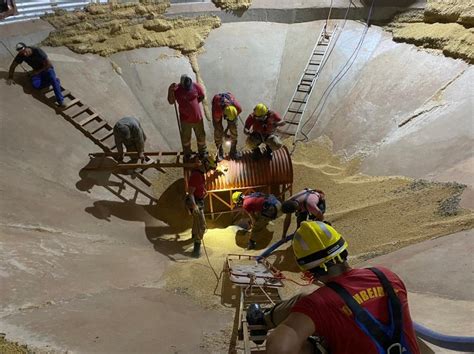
x: 260, y: 127
x: 261, y: 208
x: 306, y: 204
x: 361, y: 310
x: 129, y: 132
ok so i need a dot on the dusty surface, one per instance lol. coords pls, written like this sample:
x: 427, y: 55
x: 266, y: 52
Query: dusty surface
x: 104, y: 29
x: 444, y: 25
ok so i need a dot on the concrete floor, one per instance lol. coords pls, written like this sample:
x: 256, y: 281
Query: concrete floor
x: 71, y: 280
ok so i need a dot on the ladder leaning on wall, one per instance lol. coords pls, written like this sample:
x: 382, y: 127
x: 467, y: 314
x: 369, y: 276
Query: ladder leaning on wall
x: 297, y: 106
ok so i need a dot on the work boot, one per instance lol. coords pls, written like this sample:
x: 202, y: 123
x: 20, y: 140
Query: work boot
x: 196, y: 250
x: 268, y: 153
x: 256, y: 317
x: 256, y: 154
x: 220, y: 153
x: 251, y: 245
x: 234, y: 154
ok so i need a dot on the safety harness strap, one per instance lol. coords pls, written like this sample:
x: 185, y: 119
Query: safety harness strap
x: 390, y: 343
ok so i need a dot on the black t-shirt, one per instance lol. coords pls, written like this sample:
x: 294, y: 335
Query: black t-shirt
x: 35, y: 60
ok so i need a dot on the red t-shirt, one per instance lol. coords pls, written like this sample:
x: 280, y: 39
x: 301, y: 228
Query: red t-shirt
x: 253, y: 204
x: 220, y: 102
x: 334, y: 321
x: 188, y: 102
x: 198, y: 181
x: 266, y: 127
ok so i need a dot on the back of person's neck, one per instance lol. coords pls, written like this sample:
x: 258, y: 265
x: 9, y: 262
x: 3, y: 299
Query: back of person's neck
x: 335, y: 271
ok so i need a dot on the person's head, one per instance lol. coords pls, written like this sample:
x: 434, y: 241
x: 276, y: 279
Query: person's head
x: 320, y: 250
x: 260, y: 111
x: 230, y: 113
x: 123, y: 131
x: 237, y: 198
x: 186, y: 82
x: 23, y: 49
x: 289, y: 206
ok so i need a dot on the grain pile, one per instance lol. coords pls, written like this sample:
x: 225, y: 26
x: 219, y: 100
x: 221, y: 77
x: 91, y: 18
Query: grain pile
x: 8, y: 347
x: 446, y: 25
x: 233, y: 5
x: 108, y: 29
x: 376, y: 215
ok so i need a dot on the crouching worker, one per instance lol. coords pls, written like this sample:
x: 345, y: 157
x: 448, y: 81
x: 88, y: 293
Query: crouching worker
x: 129, y: 132
x: 261, y: 208
x: 260, y: 127
x: 308, y: 204
x: 43, y: 74
x: 194, y: 200
x: 356, y: 310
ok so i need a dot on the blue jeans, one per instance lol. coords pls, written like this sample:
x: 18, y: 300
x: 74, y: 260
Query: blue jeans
x: 45, y: 79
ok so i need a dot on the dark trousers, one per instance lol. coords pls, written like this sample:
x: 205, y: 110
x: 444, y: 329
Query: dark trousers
x: 45, y: 79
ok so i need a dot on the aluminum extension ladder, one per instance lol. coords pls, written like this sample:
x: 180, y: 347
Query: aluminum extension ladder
x: 100, y: 132
x: 297, y: 106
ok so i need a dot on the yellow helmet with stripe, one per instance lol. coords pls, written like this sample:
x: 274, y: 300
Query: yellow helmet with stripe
x: 315, y: 243
x: 237, y: 197
x: 231, y: 113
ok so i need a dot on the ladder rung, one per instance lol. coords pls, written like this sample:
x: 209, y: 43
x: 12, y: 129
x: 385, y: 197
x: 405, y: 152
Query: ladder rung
x: 305, y: 91
x: 289, y: 122
x: 318, y: 53
x: 101, y: 126
x: 297, y: 112
x: 80, y: 111
x: 298, y: 101
x: 66, y: 93
x: 306, y: 80
x: 107, y: 136
x: 70, y: 104
x: 314, y: 62
x: 301, y: 84
x: 89, y: 119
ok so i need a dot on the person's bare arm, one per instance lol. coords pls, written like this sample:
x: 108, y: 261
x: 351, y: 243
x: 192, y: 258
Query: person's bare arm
x: 13, y: 66
x: 171, y: 96
x: 291, y: 336
x: 286, y: 225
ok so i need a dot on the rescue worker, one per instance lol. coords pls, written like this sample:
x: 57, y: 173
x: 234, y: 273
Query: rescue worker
x: 376, y: 296
x: 195, y: 200
x: 261, y: 208
x: 225, y: 107
x: 189, y: 94
x: 43, y: 74
x: 260, y: 127
x: 306, y: 204
x: 129, y: 132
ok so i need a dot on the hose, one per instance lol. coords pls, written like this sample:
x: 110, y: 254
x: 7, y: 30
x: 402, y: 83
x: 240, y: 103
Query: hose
x: 459, y: 343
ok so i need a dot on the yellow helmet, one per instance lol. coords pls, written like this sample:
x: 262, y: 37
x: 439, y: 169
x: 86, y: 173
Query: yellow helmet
x: 230, y: 112
x: 315, y: 243
x: 260, y: 110
x: 236, y: 197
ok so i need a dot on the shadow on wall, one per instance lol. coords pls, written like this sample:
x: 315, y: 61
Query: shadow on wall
x: 163, y: 222
x: 387, y: 3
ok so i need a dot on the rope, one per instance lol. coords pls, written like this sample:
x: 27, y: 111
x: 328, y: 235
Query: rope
x: 209, y: 262
x: 336, y: 79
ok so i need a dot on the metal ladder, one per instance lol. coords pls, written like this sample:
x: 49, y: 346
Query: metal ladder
x: 297, y: 106
x: 94, y: 127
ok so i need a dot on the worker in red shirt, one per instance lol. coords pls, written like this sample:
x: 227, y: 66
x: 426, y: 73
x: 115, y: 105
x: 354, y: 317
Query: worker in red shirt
x: 225, y: 107
x: 189, y: 94
x: 194, y: 200
x: 261, y: 209
x: 375, y: 296
x: 260, y: 127
x: 308, y: 204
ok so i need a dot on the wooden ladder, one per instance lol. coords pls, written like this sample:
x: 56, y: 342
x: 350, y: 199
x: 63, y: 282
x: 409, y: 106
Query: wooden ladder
x: 100, y: 132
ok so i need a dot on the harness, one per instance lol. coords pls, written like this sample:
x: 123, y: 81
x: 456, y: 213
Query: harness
x: 225, y: 99
x: 307, y: 192
x: 387, y: 338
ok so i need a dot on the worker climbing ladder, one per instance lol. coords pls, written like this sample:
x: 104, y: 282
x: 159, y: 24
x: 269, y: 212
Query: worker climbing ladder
x: 297, y: 106
x: 97, y: 129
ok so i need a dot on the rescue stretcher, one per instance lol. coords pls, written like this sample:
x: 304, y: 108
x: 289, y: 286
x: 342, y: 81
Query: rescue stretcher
x: 259, y: 282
